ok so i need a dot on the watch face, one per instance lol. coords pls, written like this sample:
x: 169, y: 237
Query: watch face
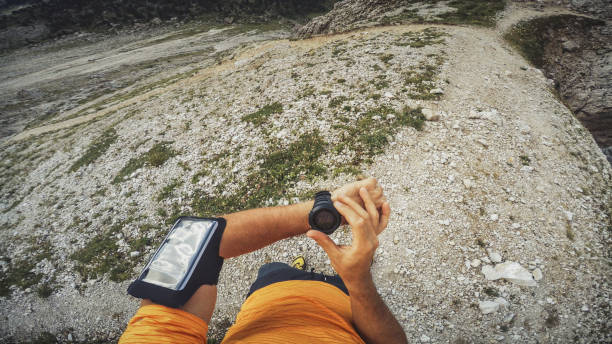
x: 324, y: 219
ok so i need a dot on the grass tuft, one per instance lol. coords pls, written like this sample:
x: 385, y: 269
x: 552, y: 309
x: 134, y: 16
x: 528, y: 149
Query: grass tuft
x: 260, y: 116
x: 96, y: 149
x: 473, y: 12
x: 277, y: 174
x: 156, y: 156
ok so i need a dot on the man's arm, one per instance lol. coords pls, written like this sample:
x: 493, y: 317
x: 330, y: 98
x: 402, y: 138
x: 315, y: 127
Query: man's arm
x: 250, y: 230
x: 373, y: 320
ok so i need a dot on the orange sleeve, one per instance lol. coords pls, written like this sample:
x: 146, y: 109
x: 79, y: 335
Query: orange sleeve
x: 295, y: 312
x: 161, y: 324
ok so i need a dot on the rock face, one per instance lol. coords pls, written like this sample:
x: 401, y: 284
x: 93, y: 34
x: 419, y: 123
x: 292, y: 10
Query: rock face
x: 575, y: 52
x: 348, y: 13
x: 21, y: 24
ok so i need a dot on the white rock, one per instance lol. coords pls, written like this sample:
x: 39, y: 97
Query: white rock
x: 445, y: 222
x: 468, y: 264
x: 425, y: 339
x: 70, y: 337
x: 436, y: 91
x: 569, y: 215
x: 483, y: 143
x: 501, y: 301
x: 388, y: 95
x: 430, y: 115
x: 134, y: 254
x: 475, y: 263
x: 508, y: 318
x: 510, y: 271
x: 585, y: 308
x: 537, y: 274
x: 467, y: 183
x: 492, y: 116
x: 487, y: 307
x: 516, y: 225
x: 527, y: 169
x: 495, y: 257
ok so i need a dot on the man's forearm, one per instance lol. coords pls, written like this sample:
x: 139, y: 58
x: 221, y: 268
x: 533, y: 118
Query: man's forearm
x: 249, y: 230
x: 373, y: 319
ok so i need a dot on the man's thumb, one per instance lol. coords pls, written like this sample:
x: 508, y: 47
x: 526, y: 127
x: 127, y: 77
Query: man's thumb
x: 324, y: 241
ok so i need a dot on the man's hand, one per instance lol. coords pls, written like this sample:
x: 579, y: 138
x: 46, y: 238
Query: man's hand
x: 353, y: 262
x: 352, y: 191
x: 372, y: 318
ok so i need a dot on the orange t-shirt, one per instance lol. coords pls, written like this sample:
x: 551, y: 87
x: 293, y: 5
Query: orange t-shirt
x: 284, y: 312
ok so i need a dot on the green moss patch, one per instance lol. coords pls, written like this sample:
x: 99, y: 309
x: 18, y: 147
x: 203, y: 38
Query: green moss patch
x: 96, y: 149
x: 156, y: 156
x: 168, y: 190
x: 370, y: 133
x: 420, y: 39
x: 19, y: 271
x: 260, y: 116
x: 101, y: 255
x: 473, y: 12
x: 272, y: 180
x: 337, y: 101
x: 421, y: 80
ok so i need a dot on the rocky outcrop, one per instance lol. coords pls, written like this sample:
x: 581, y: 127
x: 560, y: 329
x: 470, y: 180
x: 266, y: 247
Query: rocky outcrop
x: 349, y: 13
x: 352, y: 14
x: 575, y: 52
x: 20, y: 25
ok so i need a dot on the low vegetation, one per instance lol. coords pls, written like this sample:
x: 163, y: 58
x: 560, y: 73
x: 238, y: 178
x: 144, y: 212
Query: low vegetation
x: 272, y: 180
x: 155, y: 157
x: 96, y: 149
x: 420, y: 81
x: 260, y: 116
x: 102, y: 254
x: 370, y: 133
x: 473, y: 12
x: 19, y: 272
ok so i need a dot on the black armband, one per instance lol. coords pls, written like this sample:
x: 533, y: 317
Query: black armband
x: 187, y: 258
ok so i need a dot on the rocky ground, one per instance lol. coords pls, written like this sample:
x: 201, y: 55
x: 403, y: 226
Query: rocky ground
x: 482, y: 164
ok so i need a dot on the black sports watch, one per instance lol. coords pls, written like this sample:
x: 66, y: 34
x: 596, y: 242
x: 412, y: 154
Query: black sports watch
x: 324, y: 217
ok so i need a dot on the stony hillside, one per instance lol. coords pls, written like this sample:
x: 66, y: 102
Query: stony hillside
x: 482, y: 163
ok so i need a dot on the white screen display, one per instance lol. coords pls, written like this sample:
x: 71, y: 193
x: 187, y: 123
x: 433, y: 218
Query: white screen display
x: 173, y: 260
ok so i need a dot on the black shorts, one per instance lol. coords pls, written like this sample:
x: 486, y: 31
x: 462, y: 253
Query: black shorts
x: 279, y: 272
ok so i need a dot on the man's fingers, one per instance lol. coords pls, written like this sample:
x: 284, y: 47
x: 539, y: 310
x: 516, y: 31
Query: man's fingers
x: 354, y: 205
x: 355, y: 220
x: 369, y: 205
x: 384, y: 218
x: 328, y: 245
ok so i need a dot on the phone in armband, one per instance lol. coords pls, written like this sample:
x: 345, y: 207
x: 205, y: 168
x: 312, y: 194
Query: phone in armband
x: 187, y: 258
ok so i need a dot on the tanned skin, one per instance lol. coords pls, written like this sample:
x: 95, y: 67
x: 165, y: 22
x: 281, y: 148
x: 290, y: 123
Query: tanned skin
x: 363, y: 205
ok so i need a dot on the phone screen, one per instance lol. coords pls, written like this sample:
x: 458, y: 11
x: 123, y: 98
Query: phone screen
x: 173, y: 263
